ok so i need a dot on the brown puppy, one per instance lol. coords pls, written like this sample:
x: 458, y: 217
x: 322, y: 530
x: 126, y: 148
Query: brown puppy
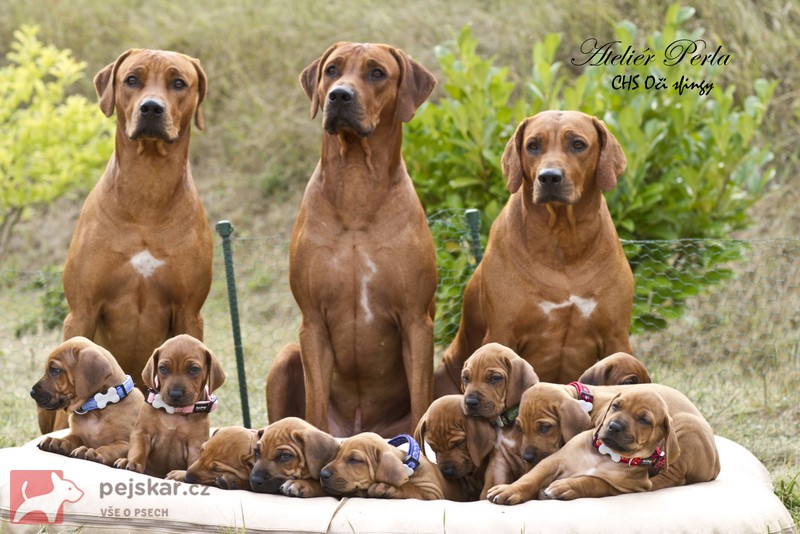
x: 139, y: 263
x: 361, y: 258
x: 493, y: 380
x: 554, y: 284
x: 368, y: 466
x: 289, y: 456
x: 84, y: 379
x: 619, y: 368
x: 173, y: 424
x: 225, y: 460
x: 636, y: 439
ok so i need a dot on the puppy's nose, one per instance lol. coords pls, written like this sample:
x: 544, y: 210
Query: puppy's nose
x: 529, y: 456
x: 325, y: 474
x: 151, y: 108
x: 341, y: 95
x: 616, y: 426
x: 257, y: 480
x: 176, y: 394
x: 449, y: 470
x: 33, y: 391
x: 472, y: 401
x: 550, y: 176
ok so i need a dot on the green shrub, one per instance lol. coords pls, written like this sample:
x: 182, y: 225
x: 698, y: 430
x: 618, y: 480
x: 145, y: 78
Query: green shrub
x: 694, y: 163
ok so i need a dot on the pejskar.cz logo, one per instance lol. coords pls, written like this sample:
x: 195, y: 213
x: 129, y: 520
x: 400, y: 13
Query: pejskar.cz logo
x: 38, y: 496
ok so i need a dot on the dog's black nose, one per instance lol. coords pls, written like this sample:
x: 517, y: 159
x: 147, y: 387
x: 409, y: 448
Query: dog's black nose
x: 176, y: 394
x: 529, y: 456
x: 33, y: 392
x: 616, y: 426
x: 257, y: 480
x: 550, y: 176
x: 471, y: 401
x: 449, y: 470
x: 341, y: 95
x: 325, y: 474
x: 151, y: 108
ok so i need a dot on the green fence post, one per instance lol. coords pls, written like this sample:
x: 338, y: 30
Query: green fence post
x: 474, y: 221
x: 225, y: 229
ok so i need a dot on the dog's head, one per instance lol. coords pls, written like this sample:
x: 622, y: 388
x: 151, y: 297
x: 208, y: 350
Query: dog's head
x: 154, y: 92
x: 637, y: 421
x: 619, y: 368
x: 290, y: 449
x: 562, y: 156
x: 493, y: 380
x: 548, y: 418
x: 225, y: 460
x: 182, y: 369
x: 461, y: 443
x: 362, y: 85
x: 74, y: 372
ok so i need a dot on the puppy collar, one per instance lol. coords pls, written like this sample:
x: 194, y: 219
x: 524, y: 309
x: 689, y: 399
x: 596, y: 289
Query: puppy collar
x: 205, y: 406
x: 508, y: 417
x: 655, y: 461
x: 112, y: 395
x: 411, y: 461
x: 585, y: 398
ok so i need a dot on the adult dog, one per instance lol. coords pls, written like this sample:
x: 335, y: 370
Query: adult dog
x: 554, y: 284
x: 139, y: 264
x: 362, y: 262
x: 83, y: 378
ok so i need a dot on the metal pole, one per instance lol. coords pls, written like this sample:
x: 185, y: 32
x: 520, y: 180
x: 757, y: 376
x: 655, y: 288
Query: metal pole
x: 474, y: 221
x: 225, y: 229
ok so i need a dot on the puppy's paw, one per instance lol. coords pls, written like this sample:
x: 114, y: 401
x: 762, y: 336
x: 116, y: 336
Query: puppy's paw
x: 382, y: 490
x: 504, y: 494
x: 126, y: 463
x: 298, y: 488
x: 560, y: 490
x: 56, y: 445
x: 176, y: 474
x: 87, y: 453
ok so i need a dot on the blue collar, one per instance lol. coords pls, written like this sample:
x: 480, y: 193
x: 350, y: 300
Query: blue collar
x: 412, y: 458
x: 110, y: 396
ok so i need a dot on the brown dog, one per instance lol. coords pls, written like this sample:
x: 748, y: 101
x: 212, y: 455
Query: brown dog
x: 173, y: 424
x: 139, y: 263
x: 493, y: 381
x: 362, y: 262
x: 225, y: 460
x: 619, y: 368
x: 369, y: 466
x: 84, y: 379
x: 636, y: 436
x: 554, y: 284
x: 289, y: 456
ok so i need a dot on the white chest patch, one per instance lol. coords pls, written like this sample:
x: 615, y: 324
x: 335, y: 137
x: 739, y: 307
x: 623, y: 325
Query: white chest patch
x: 366, y: 278
x: 145, y: 264
x: 585, y: 306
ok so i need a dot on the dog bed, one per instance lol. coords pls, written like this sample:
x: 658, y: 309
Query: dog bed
x: 741, y: 500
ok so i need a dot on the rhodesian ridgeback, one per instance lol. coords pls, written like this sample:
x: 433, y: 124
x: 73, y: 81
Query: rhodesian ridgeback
x: 361, y: 257
x: 173, y: 422
x: 84, y: 379
x: 619, y: 368
x: 139, y: 264
x: 554, y: 284
x: 638, y: 446
x: 225, y: 460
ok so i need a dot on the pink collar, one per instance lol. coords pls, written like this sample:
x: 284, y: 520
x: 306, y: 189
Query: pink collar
x: 585, y: 397
x: 205, y: 406
x: 655, y: 461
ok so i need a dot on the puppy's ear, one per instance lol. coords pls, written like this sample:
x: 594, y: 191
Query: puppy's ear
x: 416, y: 85
x: 481, y: 436
x: 420, y: 432
x: 249, y: 458
x: 390, y: 470
x: 611, y: 163
x: 151, y: 370
x: 573, y: 419
x: 596, y: 375
x: 105, y: 86
x: 216, y: 375
x: 671, y: 448
x: 521, y: 376
x: 202, y: 85
x: 512, y: 159
x: 91, y: 371
x: 319, y: 448
x: 311, y: 76
x: 608, y: 409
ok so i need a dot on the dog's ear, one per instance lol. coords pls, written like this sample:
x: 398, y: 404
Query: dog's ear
x: 311, y: 76
x: 105, y: 86
x: 390, y: 470
x: 149, y: 374
x: 608, y: 409
x: 481, y: 436
x: 573, y: 420
x: 596, y: 375
x: 416, y: 85
x: 216, y: 375
x: 202, y: 87
x: 512, y: 159
x: 319, y: 448
x: 521, y: 376
x: 671, y: 448
x: 420, y: 432
x: 91, y: 371
x: 611, y: 163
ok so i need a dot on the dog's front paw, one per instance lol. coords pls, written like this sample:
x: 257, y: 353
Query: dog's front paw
x: 176, y: 474
x: 504, y: 494
x: 559, y: 490
x: 56, y: 445
x: 382, y: 490
x: 87, y: 453
x: 126, y: 463
x: 298, y: 488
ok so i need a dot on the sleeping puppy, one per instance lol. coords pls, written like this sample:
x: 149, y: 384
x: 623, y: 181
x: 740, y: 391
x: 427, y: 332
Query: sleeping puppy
x: 619, y: 368
x: 173, y: 424
x: 493, y: 380
x: 225, y: 461
x: 369, y: 466
x: 84, y: 379
x: 289, y: 456
x: 637, y: 446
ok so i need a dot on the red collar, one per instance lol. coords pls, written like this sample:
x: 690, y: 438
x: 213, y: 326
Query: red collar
x: 585, y: 398
x: 655, y: 461
x: 205, y: 406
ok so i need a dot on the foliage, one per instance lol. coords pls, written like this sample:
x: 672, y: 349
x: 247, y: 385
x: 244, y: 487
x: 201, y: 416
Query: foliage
x: 694, y: 164
x: 52, y: 143
x: 53, y: 305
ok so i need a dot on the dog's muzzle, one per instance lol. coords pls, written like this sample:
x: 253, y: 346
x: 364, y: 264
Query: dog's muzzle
x: 343, y: 112
x: 150, y: 123
x: 262, y: 482
x: 45, y: 399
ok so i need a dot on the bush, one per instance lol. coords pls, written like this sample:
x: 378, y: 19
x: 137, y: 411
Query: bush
x: 694, y: 166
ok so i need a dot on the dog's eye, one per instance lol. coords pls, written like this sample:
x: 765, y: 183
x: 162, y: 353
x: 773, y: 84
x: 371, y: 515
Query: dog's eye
x: 578, y: 144
x: 163, y: 369
x: 464, y: 379
x: 283, y: 456
x: 377, y: 74
x: 615, y: 407
x: 195, y: 369
x: 532, y: 147
x: 644, y: 420
x: 354, y: 460
x: 494, y: 379
x: 54, y: 371
x: 257, y: 452
x: 331, y: 70
x: 544, y: 428
x: 179, y: 84
x: 131, y: 81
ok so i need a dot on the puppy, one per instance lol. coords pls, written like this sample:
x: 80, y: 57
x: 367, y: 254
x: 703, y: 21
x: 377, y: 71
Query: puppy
x: 618, y: 368
x: 225, y: 461
x: 492, y: 381
x: 173, y: 424
x: 636, y: 439
x: 366, y: 465
x: 289, y: 456
x: 84, y: 379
